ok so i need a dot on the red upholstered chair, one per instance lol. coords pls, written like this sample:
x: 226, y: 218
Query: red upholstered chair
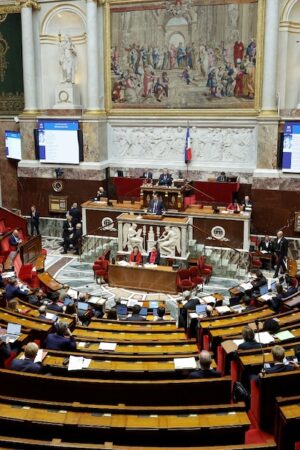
x: 3, y: 228
x: 205, y: 269
x: 183, y: 280
x: 9, y: 360
x: 195, y: 276
x: 101, y: 270
x: 25, y: 272
x: 255, y: 262
x: 5, y: 247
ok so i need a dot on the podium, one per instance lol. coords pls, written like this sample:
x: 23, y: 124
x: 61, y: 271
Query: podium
x: 172, y: 235
x: 172, y: 197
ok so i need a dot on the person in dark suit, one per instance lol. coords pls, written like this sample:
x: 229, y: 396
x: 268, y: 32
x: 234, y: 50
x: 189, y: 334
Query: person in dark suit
x: 54, y: 306
x: 76, y: 238
x: 75, y: 213
x: 259, y: 281
x: 100, y: 193
x: 281, y: 251
x: 34, y: 220
x: 136, y: 317
x: 266, y: 245
x: 247, y: 204
x: 62, y: 339
x: 222, y: 177
x: 68, y: 230
x: 27, y: 364
x: 291, y: 288
x: 279, y: 362
x: 154, y: 256
x: 14, y: 239
x: 156, y: 206
x: 249, y: 339
x: 5, y: 351
x: 205, y: 371
x: 165, y: 178
x: 148, y: 175
x: 12, y: 290
x: 275, y: 302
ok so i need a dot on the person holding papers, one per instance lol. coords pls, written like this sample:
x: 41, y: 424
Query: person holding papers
x: 280, y: 363
x: 247, y: 204
x: 62, y: 339
x: 135, y: 256
x: 154, y: 256
x: 281, y: 251
x: 27, y: 364
x: 156, y: 206
x: 204, y: 371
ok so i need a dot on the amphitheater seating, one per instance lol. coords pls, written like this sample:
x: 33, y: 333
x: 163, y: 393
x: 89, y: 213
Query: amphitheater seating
x: 287, y: 422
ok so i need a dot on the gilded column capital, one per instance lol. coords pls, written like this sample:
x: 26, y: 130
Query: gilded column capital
x: 29, y: 4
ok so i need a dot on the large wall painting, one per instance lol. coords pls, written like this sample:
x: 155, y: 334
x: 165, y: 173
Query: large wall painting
x: 184, y: 54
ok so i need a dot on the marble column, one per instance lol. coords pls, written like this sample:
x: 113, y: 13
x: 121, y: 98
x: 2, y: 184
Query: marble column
x: 92, y: 56
x: 29, y: 77
x: 270, y: 57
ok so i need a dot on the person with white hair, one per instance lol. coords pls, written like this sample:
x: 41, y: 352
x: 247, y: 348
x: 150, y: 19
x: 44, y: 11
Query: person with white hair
x: 205, y: 370
x: 27, y: 364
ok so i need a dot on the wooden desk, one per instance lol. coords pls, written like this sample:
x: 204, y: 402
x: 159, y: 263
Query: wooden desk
x: 172, y: 197
x: 140, y: 327
x: 29, y: 323
x: 49, y: 281
x: 30, y: 249
x: 212, y: 391
x: 158, y: 279
x: 114, y: 336
x: 156, y: 427
x: 287, y: 429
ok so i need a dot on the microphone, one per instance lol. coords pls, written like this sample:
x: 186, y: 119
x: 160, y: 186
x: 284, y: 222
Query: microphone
x: 259, y: 341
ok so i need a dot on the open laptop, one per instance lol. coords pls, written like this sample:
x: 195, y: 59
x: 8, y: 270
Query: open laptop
x: 122, y: 311
x: 263, y: 289
x: 82, y: 307
x: 13, y: 331
x: 200, y: 309
x: 68, y: 301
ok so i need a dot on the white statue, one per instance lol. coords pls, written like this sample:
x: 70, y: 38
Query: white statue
x: 167, y: 242
x: 68, y: 60
x: 134, y: 237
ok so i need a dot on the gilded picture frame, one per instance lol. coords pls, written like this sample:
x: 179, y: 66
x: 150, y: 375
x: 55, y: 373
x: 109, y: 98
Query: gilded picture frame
x: 149, y: 105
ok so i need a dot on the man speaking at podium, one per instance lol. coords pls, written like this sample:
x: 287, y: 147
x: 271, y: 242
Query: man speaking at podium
x: 156, y: 206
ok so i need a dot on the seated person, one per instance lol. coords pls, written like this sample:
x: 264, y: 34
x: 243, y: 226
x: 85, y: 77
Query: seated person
x: 266, y: 245
x: 165, y: 179
x: 156, y: 206
x: 248, y: 303
x: 62, y: 339
x: 280, y: 364
x: 205, y: 371
x: 42, y: 312
x: 27, y: 364
x: 13, y: 290
x: 275, y: 302
x: 12, y: 305
x: 54, y: 306
x: 112, y: 314
x: 271, y: 325
x: 291, y: 289
x: 222, y: 177
x: 154, y: 256
x: 161, y: 311
x: 5, y: 352
x: 100, y: 193
x: 37, y: 297
x: 136, y: 317
x: 135, y: 256
x: 14, y: 239
x: 259, y: 281
x: 249, y: 339
x: 247, y: 204
x: 148, y: 175
x: 234, y: 206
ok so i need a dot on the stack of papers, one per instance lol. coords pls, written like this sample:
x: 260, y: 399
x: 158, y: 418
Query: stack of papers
x: 96, y: 301
x: 78, y: 363
x: 8, y: 274
x: 264, y: 337
x: 209, y: 299
x: 265, y: 297
x: 185, y: 363
x: 111, y: 346
x: 223, y: 309
x: 246, y: 286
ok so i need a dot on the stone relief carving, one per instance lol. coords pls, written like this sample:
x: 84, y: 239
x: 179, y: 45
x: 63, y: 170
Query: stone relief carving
x: 228, y: 145
x: 169, y: 241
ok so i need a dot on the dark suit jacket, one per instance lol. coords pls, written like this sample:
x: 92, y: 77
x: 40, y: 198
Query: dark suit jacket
x: 203, y: 373
x: 136, y: 318
x: 248, y: 345
x: 281, y: 248
x: 267, y: 248
x: 12, y: 291
x: 290, y: 291
x: 157, y: 259
x: 36, y: 218
x: 66, y: 232
x: 55, y: 307
x: 276, y: 368
x: 55, y: 342
x: 159, y: 207
x: 26, y: 365
x: 148, y: 175
x: 165, y: 180
x: 13, y: 241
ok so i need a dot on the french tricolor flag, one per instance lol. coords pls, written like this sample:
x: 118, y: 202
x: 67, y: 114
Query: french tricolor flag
x: 188, y: 147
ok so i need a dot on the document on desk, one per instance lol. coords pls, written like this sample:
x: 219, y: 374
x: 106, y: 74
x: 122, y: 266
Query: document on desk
x: 283, y: 335
x: 41, y: 354
x: 223, y: 309
x: 185, y: 363
x: 208, y: 299
x: 111, y: 346
x: 246, y: 286
x: 264, y: 337
x: 75, y: 363
x: 237, y: 342
x: 265, y: 297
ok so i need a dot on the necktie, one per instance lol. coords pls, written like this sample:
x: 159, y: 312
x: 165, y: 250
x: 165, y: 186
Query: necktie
x: 155, y: 206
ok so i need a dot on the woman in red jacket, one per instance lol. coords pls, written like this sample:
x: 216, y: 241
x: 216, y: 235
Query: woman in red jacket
x: 136, y: 256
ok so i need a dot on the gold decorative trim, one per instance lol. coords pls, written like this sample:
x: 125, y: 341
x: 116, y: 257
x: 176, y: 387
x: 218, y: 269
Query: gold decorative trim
x: 236, y: 112
x: 11, y: 103
x: 10, y: 9
x: 30, y: 4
